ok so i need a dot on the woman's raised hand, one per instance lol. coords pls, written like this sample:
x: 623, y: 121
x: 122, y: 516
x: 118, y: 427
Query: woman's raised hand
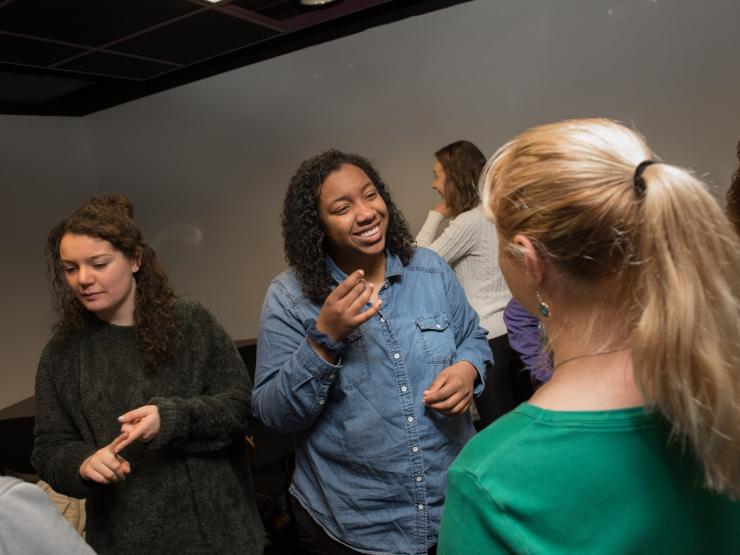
x: 342, y: 310
x: 443, y: 209
x: 106, y: 466
x: 140, y: 424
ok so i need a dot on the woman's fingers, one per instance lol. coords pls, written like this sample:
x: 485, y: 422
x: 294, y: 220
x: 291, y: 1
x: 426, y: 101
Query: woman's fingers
x: 123, y: 440
x: 350, y: 282
x: 133, y: 415
x: 358, y: 298
x: 98, y: 466
x: 95, y: 476
x: 364, y: 316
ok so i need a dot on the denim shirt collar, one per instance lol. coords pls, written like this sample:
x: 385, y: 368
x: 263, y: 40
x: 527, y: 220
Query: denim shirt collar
x: 393, y: 267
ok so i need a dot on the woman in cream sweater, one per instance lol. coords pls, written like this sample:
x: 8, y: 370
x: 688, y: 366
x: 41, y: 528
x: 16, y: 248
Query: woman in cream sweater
x: 469, y: 245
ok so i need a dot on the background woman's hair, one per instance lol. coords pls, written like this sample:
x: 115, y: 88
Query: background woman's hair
x: 733, y: 197
x: 303, y: 232
x: 110, y: 217
x: 664, y: 262
x: 462, y: 162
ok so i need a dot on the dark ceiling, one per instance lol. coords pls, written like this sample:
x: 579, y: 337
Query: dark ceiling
x: 75, y: 57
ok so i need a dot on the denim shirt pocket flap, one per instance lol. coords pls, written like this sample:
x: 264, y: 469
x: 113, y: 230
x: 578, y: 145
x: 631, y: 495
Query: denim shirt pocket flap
x: 355, y: 366
x: 437, y: 337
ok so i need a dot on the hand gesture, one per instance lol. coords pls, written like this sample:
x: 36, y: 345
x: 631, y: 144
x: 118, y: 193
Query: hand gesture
x: 452, y: 390
x: 105, y: 466
x: 139, y: 424
x: 341, y: 312
x: 443, y: 209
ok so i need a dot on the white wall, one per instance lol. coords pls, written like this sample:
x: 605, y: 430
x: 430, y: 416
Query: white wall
x: 216, y: 156
x: 45, y: 171
x: 207, y: 164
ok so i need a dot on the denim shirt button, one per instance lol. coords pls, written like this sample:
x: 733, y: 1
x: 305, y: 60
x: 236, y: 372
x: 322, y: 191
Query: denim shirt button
x: 415, y: 449
x: 404, y: 388
x: 382, y: 319
x: 420, y: 506
x: 396, y: 356
x: 410, y: 419
x: 321, y: 401
x: 418, y: 478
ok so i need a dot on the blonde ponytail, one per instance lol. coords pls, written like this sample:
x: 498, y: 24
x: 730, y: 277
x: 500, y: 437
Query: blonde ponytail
x: 686, y: 344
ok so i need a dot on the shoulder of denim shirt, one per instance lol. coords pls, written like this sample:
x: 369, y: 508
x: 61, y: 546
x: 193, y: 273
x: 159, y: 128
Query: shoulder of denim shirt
x: 287, y: 284
x: 426, y: 260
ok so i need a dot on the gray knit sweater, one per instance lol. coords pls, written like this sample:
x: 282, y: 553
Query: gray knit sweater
x: 190, y: 489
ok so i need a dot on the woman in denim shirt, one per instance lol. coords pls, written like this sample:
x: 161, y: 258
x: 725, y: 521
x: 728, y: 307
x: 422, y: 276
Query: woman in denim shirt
x: 370, y: 353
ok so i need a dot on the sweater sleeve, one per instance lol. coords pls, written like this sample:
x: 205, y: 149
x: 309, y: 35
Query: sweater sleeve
x: 58, y: 449
x: 30, y: 522
x: 219, y: 416
x: 473, y: 522
x: 456, y: 241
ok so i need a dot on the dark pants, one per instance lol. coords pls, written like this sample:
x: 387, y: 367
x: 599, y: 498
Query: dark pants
x: 508, y: 383
x: 317, y: 542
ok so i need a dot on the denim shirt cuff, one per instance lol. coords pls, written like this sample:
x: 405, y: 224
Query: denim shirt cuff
x: 315, y: 364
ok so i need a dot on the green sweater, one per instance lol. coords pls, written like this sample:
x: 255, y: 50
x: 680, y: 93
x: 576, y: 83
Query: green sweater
x: 190, y: 489
x: 602, y: 482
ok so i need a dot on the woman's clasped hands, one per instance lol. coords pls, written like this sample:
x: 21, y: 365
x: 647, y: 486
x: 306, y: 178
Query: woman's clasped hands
x: 106, y: 465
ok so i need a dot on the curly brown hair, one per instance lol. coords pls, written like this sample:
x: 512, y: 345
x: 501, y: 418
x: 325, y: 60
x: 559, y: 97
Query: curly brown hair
x: 110, y: 217
x: 303, y: 233
x: 462, y: 162
x: 733, y: 197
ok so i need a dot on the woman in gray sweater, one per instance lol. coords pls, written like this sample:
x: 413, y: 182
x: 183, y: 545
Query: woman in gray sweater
x: 142, y: 399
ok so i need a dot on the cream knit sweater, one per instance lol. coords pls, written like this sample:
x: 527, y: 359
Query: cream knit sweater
x: 470, y: 246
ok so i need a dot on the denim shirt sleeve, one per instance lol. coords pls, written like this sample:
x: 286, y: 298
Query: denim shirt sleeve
x: 470, y: 337
x: 292, y: 381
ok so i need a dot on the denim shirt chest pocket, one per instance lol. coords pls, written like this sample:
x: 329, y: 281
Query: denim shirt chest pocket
x: 355, y: 366
x: 437, y: 337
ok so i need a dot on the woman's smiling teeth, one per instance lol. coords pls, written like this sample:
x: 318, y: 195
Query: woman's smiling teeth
x: 370, y: 232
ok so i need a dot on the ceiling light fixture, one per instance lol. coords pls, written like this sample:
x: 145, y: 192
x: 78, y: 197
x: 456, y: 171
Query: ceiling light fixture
x: 214, y: 1
x: 316, y: 2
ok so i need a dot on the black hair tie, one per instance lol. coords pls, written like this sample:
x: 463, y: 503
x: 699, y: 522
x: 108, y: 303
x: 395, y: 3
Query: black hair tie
x: 638, y: 179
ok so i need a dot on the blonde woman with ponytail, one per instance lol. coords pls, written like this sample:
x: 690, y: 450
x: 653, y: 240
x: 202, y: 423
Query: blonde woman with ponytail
x: 633, y: 446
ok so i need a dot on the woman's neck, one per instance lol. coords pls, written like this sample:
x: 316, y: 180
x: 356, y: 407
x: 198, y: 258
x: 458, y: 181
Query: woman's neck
x: 589, y: 375
x: 373, y: 266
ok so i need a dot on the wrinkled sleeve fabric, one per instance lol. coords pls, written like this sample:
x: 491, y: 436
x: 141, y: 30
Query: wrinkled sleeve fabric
x: 219, y: 416
x: 456, y: 241
x: 470, y: 337
x: 30, y: 523
x: 292, y: 381
x: 58, y: 449
x: 524, y: 337
x: 472, y: 521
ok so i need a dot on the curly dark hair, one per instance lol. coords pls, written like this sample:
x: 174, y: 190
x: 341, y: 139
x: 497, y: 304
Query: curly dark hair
x: 462, y: 162
x: 110, y: 217
x: 733, y: 196
x: 303, y: 233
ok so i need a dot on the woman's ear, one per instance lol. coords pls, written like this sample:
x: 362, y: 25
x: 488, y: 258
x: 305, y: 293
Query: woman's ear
x: 531, y: 259
x: 136, y: 261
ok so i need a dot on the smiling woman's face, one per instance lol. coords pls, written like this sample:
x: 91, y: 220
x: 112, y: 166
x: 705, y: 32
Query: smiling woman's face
x: 439, y: 178
x: 100, y: 276
x: 354, y: 216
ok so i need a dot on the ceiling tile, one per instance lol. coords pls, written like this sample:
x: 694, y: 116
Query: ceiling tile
x: 20, y: 50
x: 126, y: 67
x: 201, y: 36
x: 88, y: 22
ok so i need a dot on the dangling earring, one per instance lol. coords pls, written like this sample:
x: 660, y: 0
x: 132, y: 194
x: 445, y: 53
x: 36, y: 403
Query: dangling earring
x: 544, y: 307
